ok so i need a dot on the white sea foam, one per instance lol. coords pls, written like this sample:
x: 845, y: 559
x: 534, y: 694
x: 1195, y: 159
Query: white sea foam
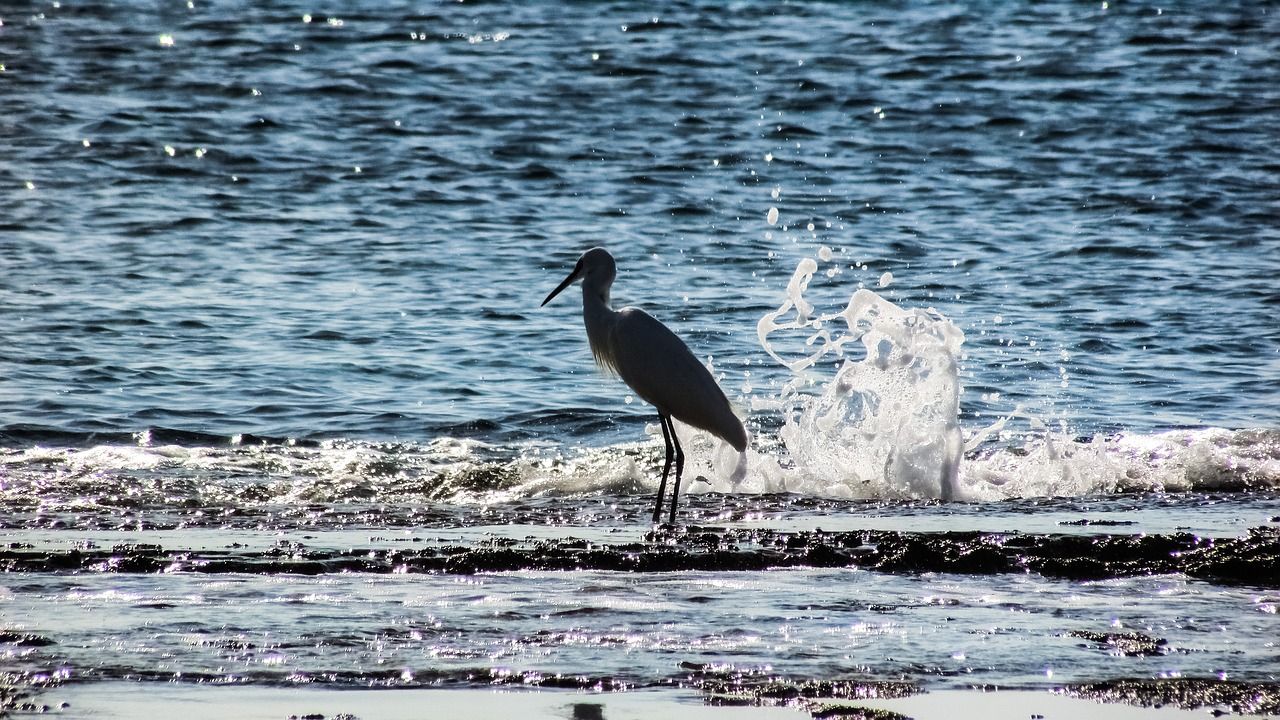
x: 1011, y: 465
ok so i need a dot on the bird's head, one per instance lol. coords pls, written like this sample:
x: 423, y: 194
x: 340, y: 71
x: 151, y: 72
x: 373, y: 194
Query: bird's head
x: 595, y: 268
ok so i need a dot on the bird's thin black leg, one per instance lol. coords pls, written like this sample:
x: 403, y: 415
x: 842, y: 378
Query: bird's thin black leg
x: 666, y: 467
x: 675, y: 489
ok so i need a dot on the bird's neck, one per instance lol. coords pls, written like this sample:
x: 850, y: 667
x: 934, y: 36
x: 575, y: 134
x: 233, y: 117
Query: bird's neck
x: 599, y: 319
x: 595, y: 297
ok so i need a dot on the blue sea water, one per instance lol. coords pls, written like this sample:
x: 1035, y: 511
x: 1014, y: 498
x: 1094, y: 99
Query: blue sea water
x: 285, y: 260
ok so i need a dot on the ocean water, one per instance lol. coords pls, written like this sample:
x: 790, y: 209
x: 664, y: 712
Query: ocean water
x: 270, y: 277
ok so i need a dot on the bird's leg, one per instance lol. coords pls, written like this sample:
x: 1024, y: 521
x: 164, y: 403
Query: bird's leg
x: 666, y: 467
x: 675, y: 489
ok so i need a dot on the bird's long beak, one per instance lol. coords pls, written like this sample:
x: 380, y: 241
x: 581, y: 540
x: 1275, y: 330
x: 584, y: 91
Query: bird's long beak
x: 577, y: 270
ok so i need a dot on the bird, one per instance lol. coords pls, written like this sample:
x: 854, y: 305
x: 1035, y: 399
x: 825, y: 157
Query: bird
x: 655, y: 363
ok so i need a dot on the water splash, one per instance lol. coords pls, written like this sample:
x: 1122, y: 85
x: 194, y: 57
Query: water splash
x: 886, y: 423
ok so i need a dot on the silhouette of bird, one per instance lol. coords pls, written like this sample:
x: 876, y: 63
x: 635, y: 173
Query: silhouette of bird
x: 655, y: 363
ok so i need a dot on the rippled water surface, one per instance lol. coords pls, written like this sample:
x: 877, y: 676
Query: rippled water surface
x: 270, y: 277
x: 241, y: 221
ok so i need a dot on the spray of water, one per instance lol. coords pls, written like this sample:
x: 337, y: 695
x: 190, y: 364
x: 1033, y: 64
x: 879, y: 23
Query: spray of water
x: 886, y: 423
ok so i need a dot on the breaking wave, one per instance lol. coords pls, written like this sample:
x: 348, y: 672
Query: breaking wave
x: 884, y: 423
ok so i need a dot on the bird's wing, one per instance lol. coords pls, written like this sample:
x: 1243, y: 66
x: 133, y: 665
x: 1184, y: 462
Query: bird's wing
x: 660, y: 368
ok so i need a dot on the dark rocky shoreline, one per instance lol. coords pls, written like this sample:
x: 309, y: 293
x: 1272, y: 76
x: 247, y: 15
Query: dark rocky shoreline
x: 1241, y: 698
x: 725, y: 686
x: 1252, y: 559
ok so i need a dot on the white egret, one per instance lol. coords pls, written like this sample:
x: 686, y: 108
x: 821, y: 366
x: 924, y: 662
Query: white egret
x: 655, y: 363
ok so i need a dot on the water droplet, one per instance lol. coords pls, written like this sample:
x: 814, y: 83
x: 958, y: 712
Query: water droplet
x: 772, y: 216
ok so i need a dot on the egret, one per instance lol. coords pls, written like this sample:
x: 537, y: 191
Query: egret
x: 655, y: 363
